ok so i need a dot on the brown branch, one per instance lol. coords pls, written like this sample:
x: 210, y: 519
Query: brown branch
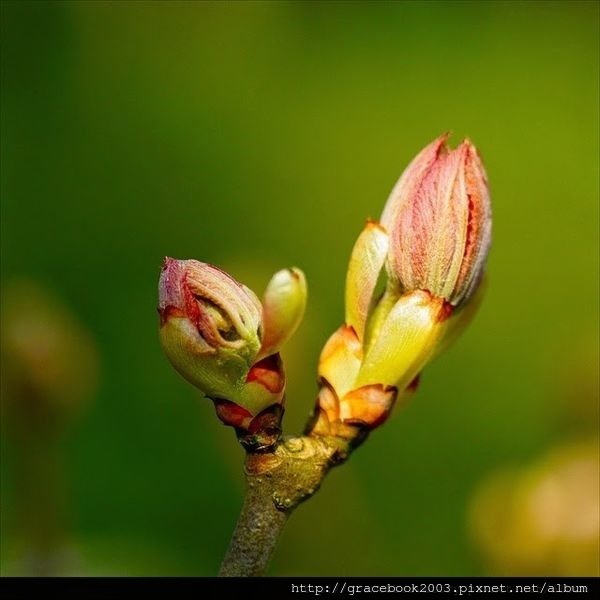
x: 277, y: 482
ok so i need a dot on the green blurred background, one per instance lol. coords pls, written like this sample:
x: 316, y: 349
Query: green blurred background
x: 257, y: 135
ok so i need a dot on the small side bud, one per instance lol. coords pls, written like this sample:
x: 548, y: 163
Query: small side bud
x: 283, y: 305
x: 221, y: 339
x: 209, y: 326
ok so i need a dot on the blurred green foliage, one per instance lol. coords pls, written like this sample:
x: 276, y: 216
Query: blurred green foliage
x: 257, y: 135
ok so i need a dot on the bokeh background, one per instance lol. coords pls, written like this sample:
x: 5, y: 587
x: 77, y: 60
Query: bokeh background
x: 257, y: 135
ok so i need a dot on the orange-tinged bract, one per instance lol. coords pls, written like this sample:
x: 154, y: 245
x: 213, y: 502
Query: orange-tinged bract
x: 433, y: 239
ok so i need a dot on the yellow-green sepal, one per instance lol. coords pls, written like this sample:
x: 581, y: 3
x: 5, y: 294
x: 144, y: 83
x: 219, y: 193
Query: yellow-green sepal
x: 366, y: 262
x: 217, y: 373
x: 405, y: 342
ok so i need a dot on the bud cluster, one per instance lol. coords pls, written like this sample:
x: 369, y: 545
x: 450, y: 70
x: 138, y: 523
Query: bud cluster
x: 432, y: 242
x: 430, y: 245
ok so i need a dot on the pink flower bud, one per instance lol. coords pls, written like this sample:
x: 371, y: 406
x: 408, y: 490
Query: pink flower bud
x: 210, y: 329
x: 226, y: 313
x: 438, y: 217
x: 220, y: 338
